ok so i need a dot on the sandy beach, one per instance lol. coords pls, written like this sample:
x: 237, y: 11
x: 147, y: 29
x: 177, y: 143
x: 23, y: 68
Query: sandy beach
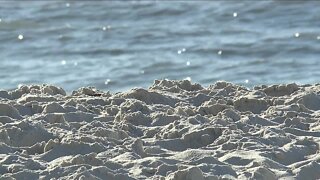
x: 173, y: 130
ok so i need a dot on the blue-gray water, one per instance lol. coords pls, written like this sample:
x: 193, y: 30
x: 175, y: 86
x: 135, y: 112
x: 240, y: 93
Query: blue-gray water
x: 116, y: 45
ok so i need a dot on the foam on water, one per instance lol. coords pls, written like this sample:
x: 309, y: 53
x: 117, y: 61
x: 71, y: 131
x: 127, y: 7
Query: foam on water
x: 120, y: 45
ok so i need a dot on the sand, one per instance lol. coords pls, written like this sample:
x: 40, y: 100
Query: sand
x: 173, y: 130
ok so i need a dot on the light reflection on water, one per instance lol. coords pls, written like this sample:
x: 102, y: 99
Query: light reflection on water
x: 119, y: 45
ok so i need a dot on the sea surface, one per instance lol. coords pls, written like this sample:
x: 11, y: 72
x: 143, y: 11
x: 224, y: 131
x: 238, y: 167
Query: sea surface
x: 118, y: 45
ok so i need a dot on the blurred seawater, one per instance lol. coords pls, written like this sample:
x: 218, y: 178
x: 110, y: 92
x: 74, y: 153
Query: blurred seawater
x: 118, y: 45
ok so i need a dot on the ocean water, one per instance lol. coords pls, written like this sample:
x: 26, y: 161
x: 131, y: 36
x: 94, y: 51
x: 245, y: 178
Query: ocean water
x: 118, y: 45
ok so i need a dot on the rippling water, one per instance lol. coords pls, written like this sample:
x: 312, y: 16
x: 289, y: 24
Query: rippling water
x: 117, y: 45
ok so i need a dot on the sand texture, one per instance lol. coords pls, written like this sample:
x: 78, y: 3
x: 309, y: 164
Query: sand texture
x: 173, y: 130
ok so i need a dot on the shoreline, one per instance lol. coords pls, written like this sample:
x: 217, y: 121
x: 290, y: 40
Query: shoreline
x: 173, y: 130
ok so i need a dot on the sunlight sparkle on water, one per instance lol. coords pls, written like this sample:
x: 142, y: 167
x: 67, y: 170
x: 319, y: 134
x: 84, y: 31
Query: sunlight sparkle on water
x: 67, y: 4
x: 188, y: 63
x: 219, y: 52
x: 106, y: 28
x: 246, y: 81
x: 20, y: 37
x: 181, y: 51
x: 318, y: 37
x: 235, y: 14
x: 296, y: 34
x: 107, y: 81
x: 63, y: 62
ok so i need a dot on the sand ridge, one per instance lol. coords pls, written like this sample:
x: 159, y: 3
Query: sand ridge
x: 173, y: 130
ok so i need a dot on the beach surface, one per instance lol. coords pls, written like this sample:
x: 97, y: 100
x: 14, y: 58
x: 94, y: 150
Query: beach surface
x: 172, y: 130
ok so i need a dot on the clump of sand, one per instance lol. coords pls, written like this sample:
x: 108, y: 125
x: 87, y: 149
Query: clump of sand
x: 173, y: 130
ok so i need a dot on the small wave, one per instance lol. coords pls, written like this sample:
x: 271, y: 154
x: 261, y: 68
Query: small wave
x: 19, y: 24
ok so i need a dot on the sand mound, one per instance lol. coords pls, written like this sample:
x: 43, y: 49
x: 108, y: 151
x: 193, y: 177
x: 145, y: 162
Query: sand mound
x: 173, y: 130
